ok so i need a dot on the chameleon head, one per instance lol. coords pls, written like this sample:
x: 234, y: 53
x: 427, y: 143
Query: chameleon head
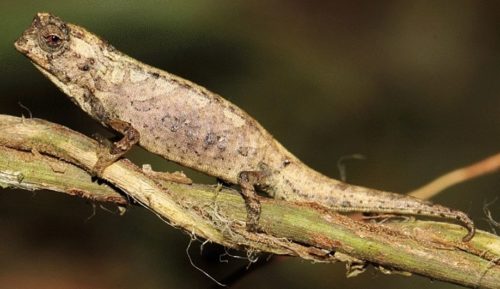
x: 63, y: 52
x: 45, y: 43
x: 47, y: 36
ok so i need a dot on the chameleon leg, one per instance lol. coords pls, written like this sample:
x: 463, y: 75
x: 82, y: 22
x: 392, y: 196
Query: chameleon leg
x: 107, y: 156
x: 247, y: 181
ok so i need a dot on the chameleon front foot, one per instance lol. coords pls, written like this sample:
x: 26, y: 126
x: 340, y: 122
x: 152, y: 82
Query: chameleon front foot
x: 104, y: 159
x: 106, y: 155
x: 247, y: 181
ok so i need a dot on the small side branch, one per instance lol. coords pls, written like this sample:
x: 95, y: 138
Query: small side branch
x: 36, y: 154
x: 486, y: 166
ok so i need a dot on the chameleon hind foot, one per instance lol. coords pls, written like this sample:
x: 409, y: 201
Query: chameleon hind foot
x: 247, y: 181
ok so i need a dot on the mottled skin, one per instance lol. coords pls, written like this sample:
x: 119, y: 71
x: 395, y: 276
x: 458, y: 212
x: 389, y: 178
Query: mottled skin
x: 192, y: 126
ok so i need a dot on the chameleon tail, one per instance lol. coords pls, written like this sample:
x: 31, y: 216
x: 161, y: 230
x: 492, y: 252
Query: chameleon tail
x: 369, y: 200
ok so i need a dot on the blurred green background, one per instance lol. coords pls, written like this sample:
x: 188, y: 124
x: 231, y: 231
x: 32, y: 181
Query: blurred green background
x: 412, y: 86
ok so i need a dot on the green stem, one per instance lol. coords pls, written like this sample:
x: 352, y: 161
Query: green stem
x: 427, y: 248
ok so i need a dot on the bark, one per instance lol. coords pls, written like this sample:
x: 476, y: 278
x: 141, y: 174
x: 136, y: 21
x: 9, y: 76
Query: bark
x: 36, y: 154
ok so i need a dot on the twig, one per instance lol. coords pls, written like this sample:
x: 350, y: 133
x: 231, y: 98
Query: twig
x: 489, y: 218
x: 427, y: 248
x: 486, y: 166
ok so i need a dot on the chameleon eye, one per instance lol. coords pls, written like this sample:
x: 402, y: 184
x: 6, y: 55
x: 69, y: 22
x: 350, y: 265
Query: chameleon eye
x: 51, y: 38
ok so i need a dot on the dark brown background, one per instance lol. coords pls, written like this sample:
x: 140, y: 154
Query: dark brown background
x: 412, y: 86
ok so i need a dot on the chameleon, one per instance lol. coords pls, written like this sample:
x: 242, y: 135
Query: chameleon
x: 194, y: 127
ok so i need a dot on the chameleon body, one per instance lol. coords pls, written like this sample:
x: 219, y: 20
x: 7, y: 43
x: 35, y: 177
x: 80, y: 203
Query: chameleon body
x: 188, y: 124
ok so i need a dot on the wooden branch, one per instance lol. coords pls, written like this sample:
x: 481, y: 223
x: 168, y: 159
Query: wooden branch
x: 36, y: 154
x: 486, y: 166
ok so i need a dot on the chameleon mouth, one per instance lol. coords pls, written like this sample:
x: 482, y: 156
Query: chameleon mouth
x: 41, y: 69
x: 24, y: 48
x: 24, y: 42
x: 20, y: 45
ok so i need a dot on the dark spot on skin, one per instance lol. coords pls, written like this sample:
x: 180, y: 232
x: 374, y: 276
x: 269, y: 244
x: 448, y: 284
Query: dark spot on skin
x: 345, y: 204
x: 243, y: 151
x: 84, y: 67
x: 177, y: 124
x: 286, y: 163
x: 155, y: 75
x: 139, y: 106
x: 210, y: 139
x: 165, y: 117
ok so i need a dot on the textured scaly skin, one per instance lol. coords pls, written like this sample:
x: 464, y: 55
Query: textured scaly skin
x: 188, y: 124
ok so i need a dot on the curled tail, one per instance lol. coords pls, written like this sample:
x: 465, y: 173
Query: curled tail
x: 348, y: 198
x: 300, y: 183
